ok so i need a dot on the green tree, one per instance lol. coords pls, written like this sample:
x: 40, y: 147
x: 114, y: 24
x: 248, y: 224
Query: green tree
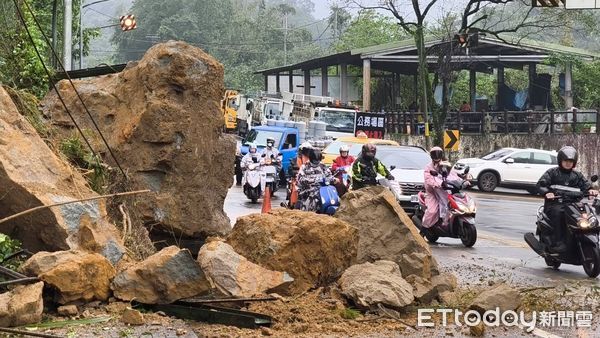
x: 369, y: 28
x: 244, y: 37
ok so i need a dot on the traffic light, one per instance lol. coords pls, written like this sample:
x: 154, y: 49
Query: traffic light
x: 128, y: 22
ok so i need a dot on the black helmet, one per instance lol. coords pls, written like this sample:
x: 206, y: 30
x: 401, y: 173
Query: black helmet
x: 436, y: 153
x: 368, y: 151
x: 567, y: 153
x: 315, y: 156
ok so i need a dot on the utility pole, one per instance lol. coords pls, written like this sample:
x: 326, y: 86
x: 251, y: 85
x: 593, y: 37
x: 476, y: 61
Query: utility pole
x: 335, y: 28
x: 285, y: 30
x: 80, y: 34
x: 54, y: 34
x: 67, y: 20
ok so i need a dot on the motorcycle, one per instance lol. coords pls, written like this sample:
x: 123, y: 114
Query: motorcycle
x: 582, y: 231
x: 271, y: 174
x: 343, y: 185
x: 462, y: 211
x: 254, y: 179
x: 330, y: 200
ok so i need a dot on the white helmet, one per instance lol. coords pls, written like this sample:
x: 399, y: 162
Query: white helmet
x: 345, y: 148
x: 306, y: 145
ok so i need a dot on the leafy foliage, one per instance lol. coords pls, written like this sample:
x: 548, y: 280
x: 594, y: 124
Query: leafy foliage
x: 8, y: 246
x: 80, y: 156
x: 369, y: 28
x: 244, y: 37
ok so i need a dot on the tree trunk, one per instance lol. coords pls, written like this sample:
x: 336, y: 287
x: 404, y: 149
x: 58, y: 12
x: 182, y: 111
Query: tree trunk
x: 423, y: 71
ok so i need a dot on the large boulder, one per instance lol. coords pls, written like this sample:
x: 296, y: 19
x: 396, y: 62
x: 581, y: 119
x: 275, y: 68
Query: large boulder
x: 31, y: 175
x: 168, y: 275
x: 369, y: 284
x: 314, y: 249
x: 234, y: 275
x: 161, y: 117
x: 74, y: 275
x: 21, y: 306
x: 386, y: 232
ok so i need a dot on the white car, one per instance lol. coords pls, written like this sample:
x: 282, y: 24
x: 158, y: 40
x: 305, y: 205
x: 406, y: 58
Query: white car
x: 407, y: 165
x: 510, y: 168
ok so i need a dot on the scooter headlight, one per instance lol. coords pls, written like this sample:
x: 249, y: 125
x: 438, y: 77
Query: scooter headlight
x: 587, y: 221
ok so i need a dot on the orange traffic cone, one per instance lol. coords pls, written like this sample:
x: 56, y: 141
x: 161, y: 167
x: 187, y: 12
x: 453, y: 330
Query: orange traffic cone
x: 293, y: 195
x: 266, y: 206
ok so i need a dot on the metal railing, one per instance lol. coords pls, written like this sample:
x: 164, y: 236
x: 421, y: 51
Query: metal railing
x: 502, y: 122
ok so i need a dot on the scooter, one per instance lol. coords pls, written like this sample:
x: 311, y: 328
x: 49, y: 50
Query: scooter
x: 462, y: 211
x: 581, y: 235
x: 254, y: 181
x: 271, y: 174
x: 330, y: 200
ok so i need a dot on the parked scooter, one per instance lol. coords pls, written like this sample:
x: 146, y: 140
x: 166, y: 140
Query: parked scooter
x: 462, y: 210
x: 581, y: 234
x: 254, y: 181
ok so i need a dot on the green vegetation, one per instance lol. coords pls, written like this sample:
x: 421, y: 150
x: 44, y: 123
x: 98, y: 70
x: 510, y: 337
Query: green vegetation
x: 348, y: 313
x: 80, y: 156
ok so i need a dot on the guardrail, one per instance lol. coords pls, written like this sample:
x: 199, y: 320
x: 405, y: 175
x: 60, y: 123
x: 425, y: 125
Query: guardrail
x: 503, y: 122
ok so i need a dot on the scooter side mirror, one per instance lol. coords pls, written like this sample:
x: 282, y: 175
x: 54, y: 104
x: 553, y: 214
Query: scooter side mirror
x: 392, y: 167
x: 594, y: 178
x: 433, y: 173
x: 467, y: 169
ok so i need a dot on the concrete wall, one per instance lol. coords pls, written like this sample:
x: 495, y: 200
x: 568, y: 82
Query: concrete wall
x: 588, y: 146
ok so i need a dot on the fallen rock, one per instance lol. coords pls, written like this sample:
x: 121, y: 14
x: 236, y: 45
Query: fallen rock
x: 21, y: 306
x: 67, y: 310
x: 234, y: 275
x: 162, y: 278
x: 386, y: 232
x: 314, y: 249
x: 74, y: 275
x: 132, y: 317
x: 35, y: 176
x: 162, y: 120
x: 501, y: 296
x: 427, y: 291
x: 369, y: 284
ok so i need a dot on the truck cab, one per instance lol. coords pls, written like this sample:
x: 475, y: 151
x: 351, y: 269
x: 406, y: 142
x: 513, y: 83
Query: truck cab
x: 286, y: 141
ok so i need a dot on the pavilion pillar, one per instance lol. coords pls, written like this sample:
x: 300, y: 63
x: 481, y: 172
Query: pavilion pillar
x: 344, y: 82
x: 500, y: 82
x: 568, y: 85
x: 366, y: 84
x: 324, y: 81
x: 532, y: 76
x: 266, y: 84
x: 277, y: 83
x: 307, y: 81
x: 291, y: 81
x: 473, y: 88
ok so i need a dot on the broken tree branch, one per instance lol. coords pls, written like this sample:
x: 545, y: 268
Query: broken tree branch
x: 71, y: 202
x: 20, y: 281
x: 27, y: 333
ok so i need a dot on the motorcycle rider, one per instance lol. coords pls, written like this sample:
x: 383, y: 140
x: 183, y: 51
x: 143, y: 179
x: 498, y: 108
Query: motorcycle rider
x: 250, y: 157
x: 436, y: 198
x: 366, y: 167
x: 342, y: 161
x: 309, y: 180
x: 300, y: 159
x: 271, y: 152
x: 564, y: 174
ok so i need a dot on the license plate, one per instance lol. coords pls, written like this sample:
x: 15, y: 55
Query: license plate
x: 414, y: 199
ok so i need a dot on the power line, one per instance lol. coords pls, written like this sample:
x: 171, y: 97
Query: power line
x: 68, y: 78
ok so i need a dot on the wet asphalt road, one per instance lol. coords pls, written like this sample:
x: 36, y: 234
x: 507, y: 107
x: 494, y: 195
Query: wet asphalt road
x: 500, y: 252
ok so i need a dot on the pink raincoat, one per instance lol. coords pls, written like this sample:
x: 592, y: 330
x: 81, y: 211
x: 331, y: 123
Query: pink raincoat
x: 436, y: 199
